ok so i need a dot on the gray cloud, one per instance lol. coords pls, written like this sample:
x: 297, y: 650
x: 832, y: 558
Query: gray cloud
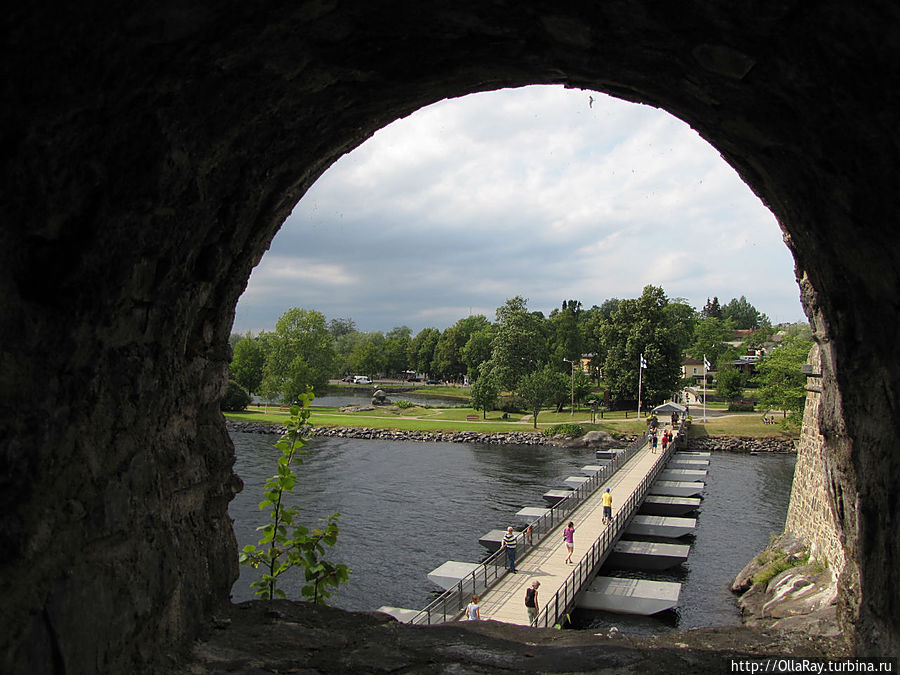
x: 521, y: 192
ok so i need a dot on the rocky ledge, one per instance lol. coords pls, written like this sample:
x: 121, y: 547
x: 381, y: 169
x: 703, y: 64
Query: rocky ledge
x: 593, y: 439
x: 785, y: 588
x: 741, y: 444
x: 510, y: 438
x: 284, y: 636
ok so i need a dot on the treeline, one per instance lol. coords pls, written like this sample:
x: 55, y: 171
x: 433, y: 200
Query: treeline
x: 519, y: 351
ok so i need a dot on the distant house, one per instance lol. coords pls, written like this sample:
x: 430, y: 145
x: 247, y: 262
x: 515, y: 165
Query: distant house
x: 738, y: 335
x: 585, y: 362
x: 692, y: 368
x: 746, y: 364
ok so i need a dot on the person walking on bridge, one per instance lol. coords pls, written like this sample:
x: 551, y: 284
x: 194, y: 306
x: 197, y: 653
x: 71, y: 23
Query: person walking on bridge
x: 531, y: 601
x: 606, y: 500
x: 509, y: 543
x: 569, y: 538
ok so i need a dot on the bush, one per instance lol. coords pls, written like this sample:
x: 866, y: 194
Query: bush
x: 236, y: 398
x: 573, y: 430
x: 741, y: 407
x: 778, y: 563
x: 404, y: 404
x: 513, y: 404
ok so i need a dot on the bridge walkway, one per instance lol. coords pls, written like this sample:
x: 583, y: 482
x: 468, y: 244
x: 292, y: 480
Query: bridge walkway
x: 505, y: 600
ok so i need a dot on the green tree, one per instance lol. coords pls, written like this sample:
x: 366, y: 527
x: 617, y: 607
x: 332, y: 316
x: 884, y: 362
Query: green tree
x: 367, y: 359
x: 236, y: 397
x: 448, y: 353
x: 396, y: 347
x: 343, y: 346
x: 541, y: 387
x: 583, y: 384
x: 801, y: 330
x: 782, y: 385
x: 485, y: 392
x: 711, y: 338
x: 711, y: 310
x: 280, y: 548
x: 421, y: 349
x: 681, y: 320
x: 636, y: 327
x: 742, y: 313
x: 729, y: 382
x: 566, y: 334
x: 299, y: 354
x: 246, y: 366
x: 519, y: 345
x: 339, y: 327
x: 477, y: 350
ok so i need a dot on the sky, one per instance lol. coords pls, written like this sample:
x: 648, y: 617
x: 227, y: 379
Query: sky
x: 544, y: 192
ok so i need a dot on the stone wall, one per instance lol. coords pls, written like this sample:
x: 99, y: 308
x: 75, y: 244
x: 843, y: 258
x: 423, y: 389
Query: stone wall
x: 811, y: 514
x: 151, y: 153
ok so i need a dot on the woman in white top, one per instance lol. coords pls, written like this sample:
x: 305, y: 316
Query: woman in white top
x: 473, y: 612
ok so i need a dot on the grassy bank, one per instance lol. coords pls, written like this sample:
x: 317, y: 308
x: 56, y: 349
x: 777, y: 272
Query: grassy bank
x: 748, y: 425
x: 437, y: 419
x: 418, y: 418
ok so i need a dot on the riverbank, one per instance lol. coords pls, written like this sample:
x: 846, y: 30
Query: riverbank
x: 740, y: 444
x: 591, y: 439
x: 498, y: 438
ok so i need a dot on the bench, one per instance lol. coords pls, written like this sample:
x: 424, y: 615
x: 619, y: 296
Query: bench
x: 472, y: 418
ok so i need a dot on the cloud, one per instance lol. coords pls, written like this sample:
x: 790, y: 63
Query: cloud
x: 531, y: 192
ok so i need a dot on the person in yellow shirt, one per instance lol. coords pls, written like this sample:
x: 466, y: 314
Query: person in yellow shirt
x: 606, y: 500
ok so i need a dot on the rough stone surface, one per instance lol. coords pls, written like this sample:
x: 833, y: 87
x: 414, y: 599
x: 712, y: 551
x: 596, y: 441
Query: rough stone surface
x: 290, y: 637
x: 732, y: 444
x: 802, y: 597
x: 814, y: 502
x: 151, y: 153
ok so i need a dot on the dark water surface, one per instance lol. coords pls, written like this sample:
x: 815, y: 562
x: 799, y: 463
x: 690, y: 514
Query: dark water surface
x: 408, y: 507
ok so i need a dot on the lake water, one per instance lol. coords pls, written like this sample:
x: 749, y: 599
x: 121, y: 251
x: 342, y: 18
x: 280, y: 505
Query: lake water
x: 408, y: 507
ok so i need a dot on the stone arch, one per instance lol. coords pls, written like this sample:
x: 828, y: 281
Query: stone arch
x: 151, y: 158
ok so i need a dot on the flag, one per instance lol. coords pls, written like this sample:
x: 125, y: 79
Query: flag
x: 643, y: 362
x: 706, y: 364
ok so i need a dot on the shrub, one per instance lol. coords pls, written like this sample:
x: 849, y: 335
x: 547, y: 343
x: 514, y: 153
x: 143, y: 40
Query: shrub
x: 514, y: 404
x: 741, y: 407
x: 236, y: 398
x: 775, y: 562
x: 573, y: 430
x: 404, y: 404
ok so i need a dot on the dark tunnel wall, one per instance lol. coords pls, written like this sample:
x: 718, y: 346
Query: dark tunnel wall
x: 151, y: 155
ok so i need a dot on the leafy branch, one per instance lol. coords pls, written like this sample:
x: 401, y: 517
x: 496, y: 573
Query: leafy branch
x: 285, y: 544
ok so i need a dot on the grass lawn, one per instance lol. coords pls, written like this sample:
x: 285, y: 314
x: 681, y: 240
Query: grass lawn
x: 438, y: 390
x: 749, y: 425
x: 439, y: 419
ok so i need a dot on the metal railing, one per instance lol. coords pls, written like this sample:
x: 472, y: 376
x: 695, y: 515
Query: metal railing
x: 451, y: 603
x: 565, y: 598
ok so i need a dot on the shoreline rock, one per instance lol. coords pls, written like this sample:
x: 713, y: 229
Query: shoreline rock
x: 784, y: 588
x: 366, y: 433
x: 741, y: 444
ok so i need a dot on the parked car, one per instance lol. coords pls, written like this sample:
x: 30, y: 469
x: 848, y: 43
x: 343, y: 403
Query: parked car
x: 432, y: 381
x: 361, y: 379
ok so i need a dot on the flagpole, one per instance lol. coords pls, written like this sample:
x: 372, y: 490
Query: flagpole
x: 640, y: 372
x: 704, y: 387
